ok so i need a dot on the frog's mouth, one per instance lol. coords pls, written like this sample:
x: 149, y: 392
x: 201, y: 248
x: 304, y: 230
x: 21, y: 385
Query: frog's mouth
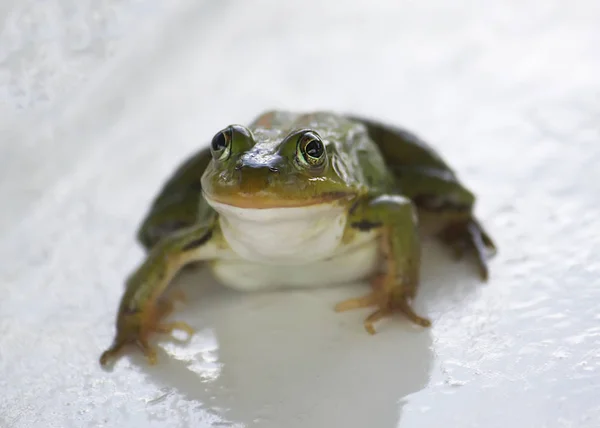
x: 266, y: 200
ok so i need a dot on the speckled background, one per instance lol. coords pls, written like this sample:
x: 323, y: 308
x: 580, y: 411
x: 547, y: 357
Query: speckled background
x: 99, y: 100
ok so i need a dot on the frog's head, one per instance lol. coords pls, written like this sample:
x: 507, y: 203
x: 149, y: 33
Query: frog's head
x: 275, y: 170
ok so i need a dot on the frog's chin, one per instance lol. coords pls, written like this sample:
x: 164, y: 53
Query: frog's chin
x: 282, y: 234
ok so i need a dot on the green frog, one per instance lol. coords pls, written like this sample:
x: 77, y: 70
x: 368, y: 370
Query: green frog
x: 300, y: 200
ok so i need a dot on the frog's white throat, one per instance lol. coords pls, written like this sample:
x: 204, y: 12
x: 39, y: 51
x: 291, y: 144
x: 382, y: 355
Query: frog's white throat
x: 282, y: 236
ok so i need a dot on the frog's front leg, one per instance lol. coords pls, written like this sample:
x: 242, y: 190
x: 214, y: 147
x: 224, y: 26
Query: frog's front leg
x: 392, y: 291
x: 143, y: 304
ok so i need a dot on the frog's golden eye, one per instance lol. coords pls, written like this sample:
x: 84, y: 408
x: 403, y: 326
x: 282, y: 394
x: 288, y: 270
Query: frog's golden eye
x: 233, y: 138
x: 220, y: 146
x: 311, y: 150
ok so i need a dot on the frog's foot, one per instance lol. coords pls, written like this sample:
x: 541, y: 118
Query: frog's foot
x: 131, y: 334
x: 469, y: 236
x: 388, y: 299
x: 165, y: 308
x: 120, y: 342
x: 135, y: 328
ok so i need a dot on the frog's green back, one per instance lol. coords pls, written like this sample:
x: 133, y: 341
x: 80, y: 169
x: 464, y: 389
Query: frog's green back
x: 404, y: 147
x: 421, y: 174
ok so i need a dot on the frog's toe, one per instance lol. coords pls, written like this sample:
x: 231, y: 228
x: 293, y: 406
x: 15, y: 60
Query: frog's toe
x: 164, y: 309
x: 166, y: 305
x: 402, y: 304
x: 356, y: 303
x: 114, y: 352
x: 482, y: 245
x: 169, y: 328
x: 489, y: 243
x: 370, y: 321
x: 388, y: 301
x: 138, y: 338
x: 371, y: 299
x: 148, y: 351
x: 134, y: 328
x: 482, y: 266
x: 110, y: 354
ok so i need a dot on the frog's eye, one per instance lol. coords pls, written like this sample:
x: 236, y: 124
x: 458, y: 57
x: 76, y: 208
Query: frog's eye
x: 311, y: 150
x: 220, y: 146
x: 234, y: 137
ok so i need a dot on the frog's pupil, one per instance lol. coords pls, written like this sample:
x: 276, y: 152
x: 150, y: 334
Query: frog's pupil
x: 314, y: 149
x: 218, y: 142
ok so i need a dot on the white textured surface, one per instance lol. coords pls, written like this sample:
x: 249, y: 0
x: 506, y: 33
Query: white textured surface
x: 99, y: 103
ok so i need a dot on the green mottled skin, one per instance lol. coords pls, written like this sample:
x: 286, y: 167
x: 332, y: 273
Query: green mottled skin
x: 386, y: 178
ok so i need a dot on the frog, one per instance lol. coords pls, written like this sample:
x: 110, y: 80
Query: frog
x: 300, y: 200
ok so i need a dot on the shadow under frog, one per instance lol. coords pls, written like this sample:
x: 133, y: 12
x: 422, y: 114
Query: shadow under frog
x: 287, y: 359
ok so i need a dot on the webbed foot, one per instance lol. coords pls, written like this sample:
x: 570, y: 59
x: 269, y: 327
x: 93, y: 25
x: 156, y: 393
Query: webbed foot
x: 135, y: 328
x: 390, y: 296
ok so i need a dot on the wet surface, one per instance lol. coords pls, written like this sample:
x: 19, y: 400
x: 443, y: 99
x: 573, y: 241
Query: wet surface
x: 99, y: 102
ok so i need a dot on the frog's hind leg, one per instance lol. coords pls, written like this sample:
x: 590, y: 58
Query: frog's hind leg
x: 435, y: 189
x: 392, y: 291
x: 467, y: 236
